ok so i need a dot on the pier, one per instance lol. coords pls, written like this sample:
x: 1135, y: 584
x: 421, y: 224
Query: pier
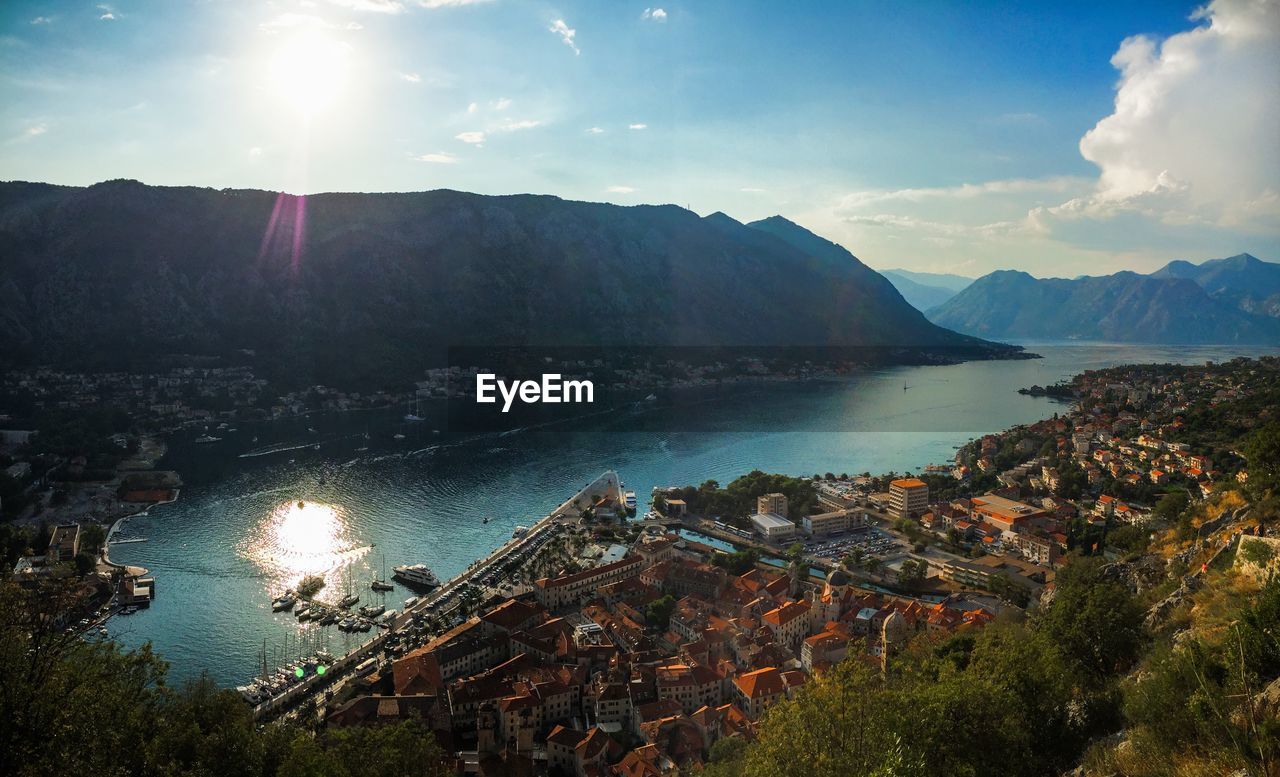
x: 342, y: 669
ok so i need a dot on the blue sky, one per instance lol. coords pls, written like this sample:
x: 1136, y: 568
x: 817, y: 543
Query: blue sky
x: 1081, y: 138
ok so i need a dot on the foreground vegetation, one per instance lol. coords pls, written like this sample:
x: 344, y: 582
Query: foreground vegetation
x: 72, y: 707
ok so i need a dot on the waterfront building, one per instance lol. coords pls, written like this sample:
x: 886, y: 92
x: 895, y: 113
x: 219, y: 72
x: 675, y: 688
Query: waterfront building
x: 64, y: 544
x: 826, y: 523
x: 772, y: 503
x: 555, y: 593
x: 772, y: 526
x: 908, y: 496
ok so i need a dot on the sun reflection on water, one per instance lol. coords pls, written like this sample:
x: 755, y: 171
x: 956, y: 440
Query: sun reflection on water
x: 297, y: 539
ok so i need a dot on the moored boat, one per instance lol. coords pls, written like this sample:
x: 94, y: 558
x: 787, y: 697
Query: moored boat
x: 416, y: 575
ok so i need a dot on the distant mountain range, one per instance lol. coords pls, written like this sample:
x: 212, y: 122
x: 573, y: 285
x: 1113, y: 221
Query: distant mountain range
x: 926, y: 290
x: 1243, y: 281
x: 1235, y: 300
x: 361, y: 288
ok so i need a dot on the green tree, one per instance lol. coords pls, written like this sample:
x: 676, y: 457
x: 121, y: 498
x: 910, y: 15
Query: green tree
x: 92, y: 537
x: 1095, y: 622
x: 658, y: 613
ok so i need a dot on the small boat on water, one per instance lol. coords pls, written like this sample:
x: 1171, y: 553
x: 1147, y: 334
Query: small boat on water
x: 397, y: 436
x: 312, y: 430
x: 348, y: 600
x: 412, y: 600
x: 416, y: 575
x: 330, y: 618
x: 372, y: 610
x: 347, y: 624
x: 629, y: 501
x: 285, y: 602
x: 205, y: 439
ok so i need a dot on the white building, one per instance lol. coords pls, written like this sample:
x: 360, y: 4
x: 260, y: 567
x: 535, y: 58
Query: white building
x: 773, y: 527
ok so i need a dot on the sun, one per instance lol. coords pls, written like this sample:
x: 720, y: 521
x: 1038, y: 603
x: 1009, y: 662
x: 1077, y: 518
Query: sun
x: 309, y: 72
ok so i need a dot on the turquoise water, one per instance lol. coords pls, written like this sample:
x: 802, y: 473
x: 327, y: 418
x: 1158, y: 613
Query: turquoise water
x: 237, y: 536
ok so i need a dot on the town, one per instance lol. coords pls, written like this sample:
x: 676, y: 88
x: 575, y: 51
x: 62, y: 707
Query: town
x: 641, y: 664
x: 597, y: 644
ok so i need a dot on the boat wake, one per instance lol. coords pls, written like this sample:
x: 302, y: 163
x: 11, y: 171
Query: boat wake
x: 281, y: 448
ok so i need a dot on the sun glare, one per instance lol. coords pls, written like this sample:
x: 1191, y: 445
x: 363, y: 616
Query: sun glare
x: 309, y: 72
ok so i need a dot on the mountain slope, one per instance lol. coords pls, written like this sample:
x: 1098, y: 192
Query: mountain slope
x: 948, y: 281
x: 1242, y: 281
x: 362, y: 285
x: 1125, y: 307
x: 922, y: 296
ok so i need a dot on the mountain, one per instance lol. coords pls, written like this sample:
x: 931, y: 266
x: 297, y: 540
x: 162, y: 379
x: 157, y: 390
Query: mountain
x: 1243, y: 281
x: 1124, y: 307
x: 363, y: 287
x: 917, y: 288
x: 948, y: 281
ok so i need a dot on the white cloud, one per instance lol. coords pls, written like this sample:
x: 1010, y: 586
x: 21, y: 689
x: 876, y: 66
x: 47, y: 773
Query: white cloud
x: 412, y: 78
x: 620, y: 190
x: 439, y: 158
x: 500, y: 104
x: 753, y: 190
x: 512, y: 126
x: 594, y: 131
x: 35, y: 130
x: 474, y: 138
x: 256, y: 151
x: 963, y: 191
x: 637, y: 126
x: 1193, y: 134
x: 656, y: 14
x: 566, y: 33
x: 373, y: 6
x: 42, y: 20
x: 472, y: 108
x: 108, y: 13
x: 449, y: 3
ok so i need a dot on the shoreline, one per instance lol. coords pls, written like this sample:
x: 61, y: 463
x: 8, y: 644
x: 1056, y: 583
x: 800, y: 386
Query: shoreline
x: 369, y: 650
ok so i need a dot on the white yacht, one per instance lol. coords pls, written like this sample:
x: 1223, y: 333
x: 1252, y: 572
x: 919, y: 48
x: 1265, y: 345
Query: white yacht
x: 416, y: 574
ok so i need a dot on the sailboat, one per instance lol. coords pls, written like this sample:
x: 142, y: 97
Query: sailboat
x: 380, y: 583
x: 905, y: 386
x: 412, y: 415
x: 350, y: 597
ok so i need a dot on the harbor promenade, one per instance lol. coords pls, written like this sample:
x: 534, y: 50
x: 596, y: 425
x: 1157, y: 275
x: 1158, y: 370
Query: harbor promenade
x: 342, y: 670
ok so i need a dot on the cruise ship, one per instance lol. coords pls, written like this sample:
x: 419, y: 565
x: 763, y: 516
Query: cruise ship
x: 417, y: 575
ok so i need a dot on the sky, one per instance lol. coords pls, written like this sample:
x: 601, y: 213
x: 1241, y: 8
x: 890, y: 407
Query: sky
x: 1061, y: 139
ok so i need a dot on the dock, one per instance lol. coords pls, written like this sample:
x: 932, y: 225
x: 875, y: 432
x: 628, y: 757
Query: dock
x: 343, y: 668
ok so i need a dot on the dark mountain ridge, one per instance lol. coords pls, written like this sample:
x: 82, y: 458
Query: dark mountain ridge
x: 358, y: 286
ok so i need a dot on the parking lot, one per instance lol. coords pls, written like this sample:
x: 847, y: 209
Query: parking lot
x: 874, y: 543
